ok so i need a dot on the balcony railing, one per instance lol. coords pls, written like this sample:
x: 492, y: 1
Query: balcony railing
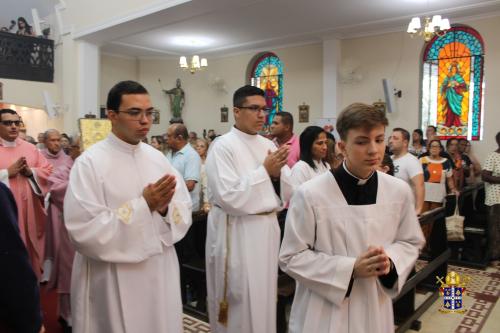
x: 26, y: 58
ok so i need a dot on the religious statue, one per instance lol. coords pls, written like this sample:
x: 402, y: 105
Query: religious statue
x: 177, y: 99
x: 452, y: 90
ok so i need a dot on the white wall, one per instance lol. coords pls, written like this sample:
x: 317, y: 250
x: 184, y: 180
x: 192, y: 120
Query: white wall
x: 26, y: 98
x: 303, y: 83
x: 91, y: 13
x: 397, y: 56
x: 115, y: 69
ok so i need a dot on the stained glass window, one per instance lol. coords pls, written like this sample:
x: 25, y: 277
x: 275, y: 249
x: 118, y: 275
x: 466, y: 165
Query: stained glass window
x: 453, y: 85
x: 267, y: 74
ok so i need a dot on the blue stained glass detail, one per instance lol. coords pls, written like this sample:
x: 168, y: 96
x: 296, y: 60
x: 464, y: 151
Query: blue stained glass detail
x: 271, y: 67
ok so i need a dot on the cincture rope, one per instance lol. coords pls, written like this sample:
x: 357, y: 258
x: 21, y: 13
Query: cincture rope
x: 224, y: 305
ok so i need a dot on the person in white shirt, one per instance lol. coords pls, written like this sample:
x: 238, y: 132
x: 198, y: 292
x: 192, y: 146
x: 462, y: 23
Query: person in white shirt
x: 491, y: 178
x: 242, y: 228
x: 124, y: 209
x: 406, y: 166
x: 313, y: 149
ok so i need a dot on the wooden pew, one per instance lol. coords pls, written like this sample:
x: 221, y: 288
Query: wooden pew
x: 192, y: 268
x: 473, y: 251
x: 437, y: 258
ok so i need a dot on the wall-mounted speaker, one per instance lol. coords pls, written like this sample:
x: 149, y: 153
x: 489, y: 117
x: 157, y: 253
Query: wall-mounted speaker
x: 389, y: 93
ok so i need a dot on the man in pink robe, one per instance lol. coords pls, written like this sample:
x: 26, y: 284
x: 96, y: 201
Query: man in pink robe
x: 58, y: 247
x: 57, y: 158
x: 64, y: 252
x: 25, y: 171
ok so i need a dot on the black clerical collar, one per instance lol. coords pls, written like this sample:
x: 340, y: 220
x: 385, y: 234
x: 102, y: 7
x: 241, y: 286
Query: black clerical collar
x: 356, y: 191
x: 357, y: 180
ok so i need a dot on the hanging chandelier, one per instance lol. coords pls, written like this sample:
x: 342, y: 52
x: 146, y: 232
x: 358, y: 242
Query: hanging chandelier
x: 430, y: 27
x: 194, y: 65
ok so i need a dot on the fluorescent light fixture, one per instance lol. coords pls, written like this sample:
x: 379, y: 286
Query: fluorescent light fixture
x: 191, y: 41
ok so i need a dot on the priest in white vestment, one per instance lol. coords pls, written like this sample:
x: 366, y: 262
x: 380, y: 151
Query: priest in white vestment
x: 242, y: 233
x: 352, y: 236
x: 124, y: 209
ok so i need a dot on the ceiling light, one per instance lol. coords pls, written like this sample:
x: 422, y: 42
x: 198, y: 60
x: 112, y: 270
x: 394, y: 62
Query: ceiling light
x: 431, y: 27
x: 191, y: 41
x: 194, y: 65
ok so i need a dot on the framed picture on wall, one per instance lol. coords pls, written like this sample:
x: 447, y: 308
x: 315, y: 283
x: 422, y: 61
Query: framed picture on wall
x: 224, y: 114
x: 303, y: 113
x: 93, y: 130
x: 156, y: 117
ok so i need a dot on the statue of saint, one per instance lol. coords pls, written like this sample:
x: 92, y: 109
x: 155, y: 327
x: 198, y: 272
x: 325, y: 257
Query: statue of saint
x: 177, y: 99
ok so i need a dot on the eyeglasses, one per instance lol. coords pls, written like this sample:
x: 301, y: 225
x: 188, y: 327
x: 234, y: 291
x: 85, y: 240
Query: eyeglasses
x: 8, y: 123
x: 435, y: 146
x: 137, y: 114
x: 256, y: 108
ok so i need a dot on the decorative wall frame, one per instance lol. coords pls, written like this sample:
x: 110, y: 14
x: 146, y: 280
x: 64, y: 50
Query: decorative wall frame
x: 303, y: 113
x: 224, y: 114
x: 156, y: 117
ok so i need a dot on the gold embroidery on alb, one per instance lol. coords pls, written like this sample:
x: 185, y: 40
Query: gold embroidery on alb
x: 124, y: 212
x: 176, y: 216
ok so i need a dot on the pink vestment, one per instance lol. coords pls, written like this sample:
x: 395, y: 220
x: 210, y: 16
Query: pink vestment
x: 31, y: 213
x: 63, y: 249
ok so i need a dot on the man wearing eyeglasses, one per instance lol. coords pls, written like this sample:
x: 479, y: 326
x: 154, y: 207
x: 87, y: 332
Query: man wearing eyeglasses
x: 25, y: 171
x: 124, y: 209
x: 242, y: 228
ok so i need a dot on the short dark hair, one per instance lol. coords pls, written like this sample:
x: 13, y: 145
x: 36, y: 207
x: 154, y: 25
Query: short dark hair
x: 421, y: 133
x: 359, y: 115
x: 387, y: 161
x: 9, y: 111
x: 120, y: 89
x: 434, y: 127
x: 286, y: 118
x: 434, y: 140
x: 307, y: 138
x: 242, y: 93
x: 449, y: 141
x: 181, y: 130
x: 497, y: 138
x: 404, y: 133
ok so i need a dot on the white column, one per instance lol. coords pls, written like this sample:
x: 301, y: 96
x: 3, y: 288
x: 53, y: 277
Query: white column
x: 88, y: 80
x: 331, y: 67
x: 80, y: 81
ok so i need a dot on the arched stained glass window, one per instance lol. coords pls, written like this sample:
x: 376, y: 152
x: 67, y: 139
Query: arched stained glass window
x: 267, y: 74
x: 452, y: 84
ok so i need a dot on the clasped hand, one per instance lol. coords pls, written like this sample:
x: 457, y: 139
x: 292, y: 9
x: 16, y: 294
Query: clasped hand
x: 373, y: 262
x: 159, y: 194
x: 276, y: 160
x: 19, y: 167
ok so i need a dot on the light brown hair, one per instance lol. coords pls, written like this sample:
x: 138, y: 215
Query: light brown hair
x: 359, y: 115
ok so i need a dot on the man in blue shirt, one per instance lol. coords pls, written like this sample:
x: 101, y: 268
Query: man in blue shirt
x: 185, y: 160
